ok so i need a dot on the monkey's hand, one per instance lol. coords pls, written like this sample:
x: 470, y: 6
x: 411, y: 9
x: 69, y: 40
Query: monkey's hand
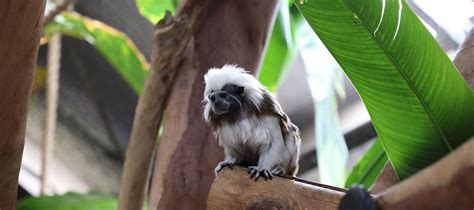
x: 228, y: 162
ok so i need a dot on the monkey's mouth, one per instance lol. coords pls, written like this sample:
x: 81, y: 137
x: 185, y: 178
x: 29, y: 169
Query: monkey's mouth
x: 220, y: 107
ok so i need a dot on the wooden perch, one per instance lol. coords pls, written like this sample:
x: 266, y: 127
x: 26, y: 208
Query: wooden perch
x: 233, y: 189
x: 448, y: 184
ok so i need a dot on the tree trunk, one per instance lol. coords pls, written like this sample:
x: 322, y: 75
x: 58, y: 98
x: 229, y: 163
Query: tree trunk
x: 233, y: 32
x: 20, y: 27
x: 172, y: 36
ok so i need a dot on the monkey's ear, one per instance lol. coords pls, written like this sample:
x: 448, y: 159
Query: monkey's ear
x: 240, y: 90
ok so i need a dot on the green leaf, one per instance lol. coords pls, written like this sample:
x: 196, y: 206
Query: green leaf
x: 280, y: 51
x: 72, y: 201
x: 114, y: 45
x: 69, y: 201
x: 154, y: 10
x: 420, y: 105
x: 282, y: 48
x: 368, y: 167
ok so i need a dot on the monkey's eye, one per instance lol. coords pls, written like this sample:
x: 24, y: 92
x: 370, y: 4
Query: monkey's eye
x: 212, y: 98
x: 239, y: 90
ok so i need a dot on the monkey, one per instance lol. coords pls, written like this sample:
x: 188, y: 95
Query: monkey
x: 250, y: 124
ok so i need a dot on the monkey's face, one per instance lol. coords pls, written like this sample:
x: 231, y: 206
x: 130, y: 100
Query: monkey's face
x: 227, y: 100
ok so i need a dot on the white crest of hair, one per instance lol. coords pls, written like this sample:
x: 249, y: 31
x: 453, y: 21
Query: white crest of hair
x: 217, y: 78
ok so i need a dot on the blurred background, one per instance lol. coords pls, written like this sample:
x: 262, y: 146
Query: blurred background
x: 96, y: 104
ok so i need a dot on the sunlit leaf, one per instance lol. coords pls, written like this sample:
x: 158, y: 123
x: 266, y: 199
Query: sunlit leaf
x: 154, y: 10
x: 114, y: 45
x: 69, y: 201
x: 368, y: 167
x: 420, y: 105
x: 282, y: 48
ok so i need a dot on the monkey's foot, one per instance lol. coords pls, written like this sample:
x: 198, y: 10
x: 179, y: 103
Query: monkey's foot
x: 278, y: 170
x: 258, y: 172
x: 223, y: 164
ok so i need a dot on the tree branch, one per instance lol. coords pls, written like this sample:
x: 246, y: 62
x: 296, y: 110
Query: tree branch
x: 20, y: 29
x: 385, y: 179
x: 52, y: 88
x: 233, y: 189
x: 447, y: 184
x: 464, y: 58
x: 172, y: 36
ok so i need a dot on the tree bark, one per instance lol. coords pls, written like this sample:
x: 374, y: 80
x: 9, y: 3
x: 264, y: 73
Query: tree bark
x: 20, y: 28
x: 447, y: 184
x: 464, y: 58
x: 385, y: 179
x: 172, y: 36
x: 232, y: 32
x: 233, y: 189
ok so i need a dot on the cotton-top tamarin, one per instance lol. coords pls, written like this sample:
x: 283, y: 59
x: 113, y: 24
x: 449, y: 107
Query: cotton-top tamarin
x: 250, y: 124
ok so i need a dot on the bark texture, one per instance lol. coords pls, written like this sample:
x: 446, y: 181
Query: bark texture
x: 448, y: 184
x: 172, y: 36
x: 279, y: 193
x: 464, y: 59
x: 20, y: 27
x: 232, y: 32
x: 387, y: 178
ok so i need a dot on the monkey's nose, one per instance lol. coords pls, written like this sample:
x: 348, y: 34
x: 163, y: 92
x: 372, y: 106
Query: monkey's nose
x: 222, y: 95
x: 221, y: 105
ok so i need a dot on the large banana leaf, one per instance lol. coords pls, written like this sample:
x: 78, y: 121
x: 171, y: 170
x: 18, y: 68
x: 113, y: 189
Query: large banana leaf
x: 420, y: 105
x: 114, y: 45
x: 368, y: 167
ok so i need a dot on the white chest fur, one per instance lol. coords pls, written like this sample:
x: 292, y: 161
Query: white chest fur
x: 251, y: 131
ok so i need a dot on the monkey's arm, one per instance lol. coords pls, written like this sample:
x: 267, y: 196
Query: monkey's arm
x: 230, y: 160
